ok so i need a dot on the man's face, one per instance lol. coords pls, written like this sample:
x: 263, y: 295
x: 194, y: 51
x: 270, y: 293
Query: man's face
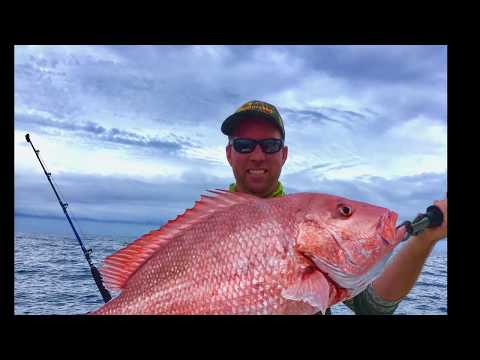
x: 256, y: 173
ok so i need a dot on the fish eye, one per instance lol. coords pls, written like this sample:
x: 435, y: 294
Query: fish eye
x: 345, y: 210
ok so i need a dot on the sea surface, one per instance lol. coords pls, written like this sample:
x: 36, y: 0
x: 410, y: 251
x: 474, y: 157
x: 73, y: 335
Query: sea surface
x: 53, y: 277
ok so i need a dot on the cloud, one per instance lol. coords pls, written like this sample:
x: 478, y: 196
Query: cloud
x: 308, y: 115
x: 407, y: 195
x: 377, y: 64
x: 185, y: 83
x: 395, y: 82
x: 324, y: 116
x: 421, y: 129
x: 203, y: 84
x: 324, y: 168
x: 101, y: 134
x: 113, y: 198
x: 368, y: 122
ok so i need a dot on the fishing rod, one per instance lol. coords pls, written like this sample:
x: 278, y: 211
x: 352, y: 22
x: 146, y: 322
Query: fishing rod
x: 95, y: 273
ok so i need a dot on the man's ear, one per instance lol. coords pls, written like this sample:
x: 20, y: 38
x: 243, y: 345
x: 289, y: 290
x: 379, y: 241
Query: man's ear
x: 284, y: 154
x: 228, y: 151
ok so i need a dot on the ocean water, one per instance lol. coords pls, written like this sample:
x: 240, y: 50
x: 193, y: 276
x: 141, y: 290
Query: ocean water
x: 53, y: 277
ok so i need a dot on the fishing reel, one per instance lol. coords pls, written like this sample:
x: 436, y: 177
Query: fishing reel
x: 432, y: 218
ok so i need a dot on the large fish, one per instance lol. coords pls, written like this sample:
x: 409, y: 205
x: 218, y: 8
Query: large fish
x: 235, y: 253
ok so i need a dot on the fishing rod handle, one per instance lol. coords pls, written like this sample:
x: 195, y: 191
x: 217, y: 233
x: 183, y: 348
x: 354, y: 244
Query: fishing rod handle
x: 98, y: 280
x: 432, y: 218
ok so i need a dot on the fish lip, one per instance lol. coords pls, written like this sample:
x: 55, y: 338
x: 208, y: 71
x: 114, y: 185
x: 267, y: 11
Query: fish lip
x: 387, y: 228
x: 390, y: 217
x: 400, y: 234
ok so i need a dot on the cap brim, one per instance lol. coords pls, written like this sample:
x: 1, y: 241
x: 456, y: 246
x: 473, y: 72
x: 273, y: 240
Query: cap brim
x: 230, y: 123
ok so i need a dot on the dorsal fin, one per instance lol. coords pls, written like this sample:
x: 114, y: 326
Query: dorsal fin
x: 119, y: 267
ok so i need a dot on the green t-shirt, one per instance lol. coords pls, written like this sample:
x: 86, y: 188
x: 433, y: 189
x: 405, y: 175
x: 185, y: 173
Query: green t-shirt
x: 278, y: 191
x: 368, y: 302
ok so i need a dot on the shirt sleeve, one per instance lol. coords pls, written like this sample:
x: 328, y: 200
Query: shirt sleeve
x: 368, y: 302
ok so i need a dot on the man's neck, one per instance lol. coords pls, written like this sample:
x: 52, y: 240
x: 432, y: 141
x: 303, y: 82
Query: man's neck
x: 278, y: 191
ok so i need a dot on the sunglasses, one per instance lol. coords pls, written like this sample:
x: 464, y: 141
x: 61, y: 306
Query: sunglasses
x: 246, y: 146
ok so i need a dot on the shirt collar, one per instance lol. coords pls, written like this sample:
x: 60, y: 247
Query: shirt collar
x: 278, y: 191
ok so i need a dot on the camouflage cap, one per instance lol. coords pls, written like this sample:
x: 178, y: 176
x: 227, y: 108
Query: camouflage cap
x: 254, y: 108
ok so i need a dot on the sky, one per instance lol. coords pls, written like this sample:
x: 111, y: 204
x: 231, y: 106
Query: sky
x: 131, y: 134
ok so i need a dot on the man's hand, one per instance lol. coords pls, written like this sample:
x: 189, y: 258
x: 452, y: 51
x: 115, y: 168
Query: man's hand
x: 402, y: 272
x: 432, y: 235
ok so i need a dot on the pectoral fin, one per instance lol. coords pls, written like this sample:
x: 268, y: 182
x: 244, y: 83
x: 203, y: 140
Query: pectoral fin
x: 312, y: 287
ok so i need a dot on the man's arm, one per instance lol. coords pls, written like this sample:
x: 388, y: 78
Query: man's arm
x: 401, y: 273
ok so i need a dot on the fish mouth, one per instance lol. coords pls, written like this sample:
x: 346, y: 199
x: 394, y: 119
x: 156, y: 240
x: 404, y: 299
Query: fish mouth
x: 389, y: 233
x: 400, y: 234
x: 386, y: 228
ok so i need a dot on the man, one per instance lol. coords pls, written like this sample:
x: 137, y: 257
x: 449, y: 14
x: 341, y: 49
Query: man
x: 256, y: 153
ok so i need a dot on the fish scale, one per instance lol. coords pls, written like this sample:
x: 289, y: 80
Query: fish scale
x: 235, y: 253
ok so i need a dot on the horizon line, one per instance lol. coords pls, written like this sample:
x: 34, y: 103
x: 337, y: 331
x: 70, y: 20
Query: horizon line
x: 49, y: 217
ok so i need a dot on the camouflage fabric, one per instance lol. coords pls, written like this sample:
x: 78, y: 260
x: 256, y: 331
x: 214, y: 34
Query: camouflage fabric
x: 368, y: 302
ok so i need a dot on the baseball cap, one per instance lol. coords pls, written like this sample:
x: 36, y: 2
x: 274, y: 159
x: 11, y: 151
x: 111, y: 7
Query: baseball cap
x: 254, y: 108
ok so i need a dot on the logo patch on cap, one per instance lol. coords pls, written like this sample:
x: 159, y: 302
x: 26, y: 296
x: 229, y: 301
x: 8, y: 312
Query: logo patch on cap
x: 256, y: 107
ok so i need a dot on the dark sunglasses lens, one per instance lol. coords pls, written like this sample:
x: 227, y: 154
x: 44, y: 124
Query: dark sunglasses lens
x: 244, y: 145
x: 271, y: 146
